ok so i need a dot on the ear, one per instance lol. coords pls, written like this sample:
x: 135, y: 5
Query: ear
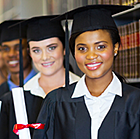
x: 116, y: 49
x: 28, y: 51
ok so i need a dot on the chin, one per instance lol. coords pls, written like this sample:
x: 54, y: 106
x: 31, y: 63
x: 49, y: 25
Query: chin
x: 14, y: 72
x: 94, y: 75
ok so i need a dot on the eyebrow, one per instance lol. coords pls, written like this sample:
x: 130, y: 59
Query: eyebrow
x: 80, y: 44
x: 51, y: 44
x: 100, y: 42
x: 94, y: 43
x: 35, y: 47
x: 5, y: 45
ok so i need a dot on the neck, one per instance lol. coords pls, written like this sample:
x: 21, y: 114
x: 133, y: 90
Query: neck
x: 97, y: 86
x: 15, y: 76
x: 49, y: 83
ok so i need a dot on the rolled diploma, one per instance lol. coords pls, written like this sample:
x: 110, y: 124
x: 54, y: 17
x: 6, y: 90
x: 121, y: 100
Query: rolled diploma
x: 20, y: 112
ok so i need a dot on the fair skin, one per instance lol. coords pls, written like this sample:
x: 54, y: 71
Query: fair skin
x: 94, y: 54
x: 10, y: 51
x: 3, y: 70
x: 48, y: 56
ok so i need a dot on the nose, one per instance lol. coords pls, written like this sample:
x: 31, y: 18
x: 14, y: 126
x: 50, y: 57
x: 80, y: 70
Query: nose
x: 45, y: 56
x: 91, y: 55
x: 12, y: 52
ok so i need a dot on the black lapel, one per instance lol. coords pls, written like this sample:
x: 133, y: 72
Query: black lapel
x: 83, y: 121
x: 107, y: 128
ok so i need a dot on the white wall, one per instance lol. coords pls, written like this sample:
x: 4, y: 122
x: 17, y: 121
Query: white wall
x: 30, y: 8
x: 23, y: 9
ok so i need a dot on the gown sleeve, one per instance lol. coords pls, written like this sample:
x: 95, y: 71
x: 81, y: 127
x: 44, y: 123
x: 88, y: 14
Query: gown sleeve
x: 5, y: 121
x: 46, y: 116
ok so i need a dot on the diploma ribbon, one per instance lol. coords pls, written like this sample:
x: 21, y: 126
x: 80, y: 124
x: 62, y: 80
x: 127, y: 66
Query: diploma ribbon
x: 22, y: 126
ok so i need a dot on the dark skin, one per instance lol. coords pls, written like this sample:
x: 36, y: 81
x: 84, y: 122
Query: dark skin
x: 94, y: 54
x: 3, y: 69
x: 11, y: 58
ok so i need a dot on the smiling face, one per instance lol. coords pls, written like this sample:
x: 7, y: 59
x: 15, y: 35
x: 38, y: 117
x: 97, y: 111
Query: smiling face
x: 10, y: 51
x: 47, y: 55
x: 94, y: 53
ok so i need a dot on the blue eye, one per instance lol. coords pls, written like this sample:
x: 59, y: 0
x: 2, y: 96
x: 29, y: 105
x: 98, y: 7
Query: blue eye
x: 36, y: 51
x: 52, y: 47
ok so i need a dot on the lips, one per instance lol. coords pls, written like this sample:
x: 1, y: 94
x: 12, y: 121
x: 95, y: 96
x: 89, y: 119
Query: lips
x: 13, y: 63
x: 93, y: 66
x: 48, y: 64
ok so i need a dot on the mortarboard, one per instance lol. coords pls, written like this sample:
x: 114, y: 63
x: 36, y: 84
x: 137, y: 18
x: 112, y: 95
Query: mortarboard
x: 93, y: 17
x: 9, y: 34
x: 40, y: 27
x: 90, y: 17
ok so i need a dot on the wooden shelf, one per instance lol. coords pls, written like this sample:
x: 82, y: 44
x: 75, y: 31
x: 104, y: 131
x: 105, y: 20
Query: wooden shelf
x: 127, y: 16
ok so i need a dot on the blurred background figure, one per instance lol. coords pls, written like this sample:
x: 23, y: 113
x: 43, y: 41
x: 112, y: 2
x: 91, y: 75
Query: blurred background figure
x: 10, y: 52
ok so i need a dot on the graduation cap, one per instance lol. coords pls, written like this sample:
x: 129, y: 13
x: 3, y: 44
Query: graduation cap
x: 9, y: 34
x: 40, y: 28
x: 90, y: 17
x: 93, y: 17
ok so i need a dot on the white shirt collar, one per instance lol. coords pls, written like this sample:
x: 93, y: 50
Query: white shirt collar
x: 34, y: 87
x: 36, y: 90
x: 81, y: 89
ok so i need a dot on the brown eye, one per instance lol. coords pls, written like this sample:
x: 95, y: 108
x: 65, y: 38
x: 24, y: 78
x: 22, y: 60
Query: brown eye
x: 6, y: 49
x: 100, y: 47
x: 81, y: 48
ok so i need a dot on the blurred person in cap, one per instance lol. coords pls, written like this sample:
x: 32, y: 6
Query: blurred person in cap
x: 10, y: 52
x: 100, y: 105
x: 46, y: 41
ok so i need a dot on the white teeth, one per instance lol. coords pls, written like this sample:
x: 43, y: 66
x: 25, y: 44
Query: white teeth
x: 13, y: 62
x: 47, y: 64
x: 93, y: 65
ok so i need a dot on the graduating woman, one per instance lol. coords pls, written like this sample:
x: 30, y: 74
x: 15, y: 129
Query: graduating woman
x: 47, y: 49
x: 46, y: 45
x: 100, y: 105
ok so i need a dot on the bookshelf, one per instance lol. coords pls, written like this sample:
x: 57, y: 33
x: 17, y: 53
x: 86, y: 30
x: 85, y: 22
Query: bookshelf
x: 128, y: 61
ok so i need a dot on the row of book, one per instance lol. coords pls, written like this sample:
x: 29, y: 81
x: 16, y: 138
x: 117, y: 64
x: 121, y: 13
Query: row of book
x: 127, y: 62
x: 116, y: 2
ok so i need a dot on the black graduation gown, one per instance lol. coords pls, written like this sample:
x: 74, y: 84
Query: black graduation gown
x: 4, y: 88
x: 68, y: 118
x: 7, y: 114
